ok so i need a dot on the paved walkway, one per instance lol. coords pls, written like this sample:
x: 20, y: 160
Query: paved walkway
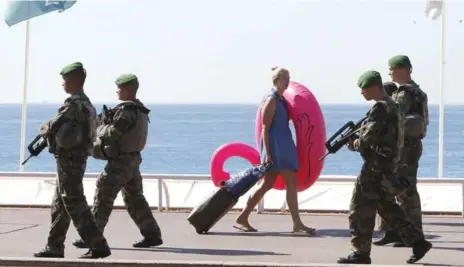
x: 24, y: 231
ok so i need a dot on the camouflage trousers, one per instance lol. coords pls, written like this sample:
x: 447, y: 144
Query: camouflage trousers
x: 123, y: 174
x: 410, y: 201
x: 69, y: 204
x: 368, y: 198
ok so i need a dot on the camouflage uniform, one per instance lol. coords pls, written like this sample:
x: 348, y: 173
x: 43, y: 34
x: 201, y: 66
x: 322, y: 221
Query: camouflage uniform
x: 70, y: 136
x: 389, y: 88
x: 120, y: 143
x: 412, y: 101
x: 379, y: 144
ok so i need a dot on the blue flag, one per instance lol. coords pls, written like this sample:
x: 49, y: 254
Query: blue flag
x: 18, y: 11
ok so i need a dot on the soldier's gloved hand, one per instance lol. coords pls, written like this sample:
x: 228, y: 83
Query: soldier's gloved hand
x: 44, y: 129
x: 100, y: 119
x: 350, y: 144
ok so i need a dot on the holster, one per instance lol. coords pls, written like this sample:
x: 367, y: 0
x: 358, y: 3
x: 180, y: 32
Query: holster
x: 104, y: 151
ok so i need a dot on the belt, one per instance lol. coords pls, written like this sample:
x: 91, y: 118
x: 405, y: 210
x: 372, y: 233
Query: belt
x: 70, y: 153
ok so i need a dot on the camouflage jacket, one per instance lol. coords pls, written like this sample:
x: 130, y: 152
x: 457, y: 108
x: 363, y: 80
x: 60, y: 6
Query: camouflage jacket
x: 412, y: 101
x: 381, y: 134
x: 127, y: 127
x: 73, y: 128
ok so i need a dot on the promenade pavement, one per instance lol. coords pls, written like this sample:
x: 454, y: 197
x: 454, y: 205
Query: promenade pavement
x: 23, y: 231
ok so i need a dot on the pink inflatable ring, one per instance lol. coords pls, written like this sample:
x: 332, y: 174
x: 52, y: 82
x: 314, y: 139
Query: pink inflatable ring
x: 224, y: 153
x: 306, y: 115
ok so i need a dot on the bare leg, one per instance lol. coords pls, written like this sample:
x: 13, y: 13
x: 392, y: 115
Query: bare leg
x: 292, y: 202
x: 242, y: 219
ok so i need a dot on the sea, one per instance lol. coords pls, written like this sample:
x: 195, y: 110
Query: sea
x: 182, y: 138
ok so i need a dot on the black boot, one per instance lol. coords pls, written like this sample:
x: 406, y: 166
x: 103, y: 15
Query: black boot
x: 389, y: 237
x: 96, y: 254
x: 148, y: 242
x: 80, y: 244
x: 399, y: 244
x: 419, y: 250
x: 50, y: 252
x: 356, y: 258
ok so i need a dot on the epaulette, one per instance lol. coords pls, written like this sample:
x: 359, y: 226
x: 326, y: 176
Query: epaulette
x: 407, y: 87
x: 132, y: 106
x: 385, y: 105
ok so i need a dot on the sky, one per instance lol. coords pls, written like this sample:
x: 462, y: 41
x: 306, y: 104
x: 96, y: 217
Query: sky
x: 218, y: 51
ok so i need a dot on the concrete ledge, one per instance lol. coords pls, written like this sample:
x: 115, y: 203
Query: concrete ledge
x: 17, y: 262
x: 266, y: 211
x: 180, y: 191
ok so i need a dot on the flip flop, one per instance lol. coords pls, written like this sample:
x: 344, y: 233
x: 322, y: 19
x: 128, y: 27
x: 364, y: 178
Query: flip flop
x: 243, y: 228
x: 306, y: 230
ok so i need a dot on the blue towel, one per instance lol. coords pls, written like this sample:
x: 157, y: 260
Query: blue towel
x: 242, y: 182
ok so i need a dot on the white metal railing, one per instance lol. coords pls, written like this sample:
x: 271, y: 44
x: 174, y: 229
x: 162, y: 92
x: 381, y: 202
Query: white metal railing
x: 163, y: 192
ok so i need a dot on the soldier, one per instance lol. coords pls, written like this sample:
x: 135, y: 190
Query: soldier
x: 379, y: 144
x: 389, y: 88
x: 70, y: 135
x: 120, y: 139
x: 412, y: 102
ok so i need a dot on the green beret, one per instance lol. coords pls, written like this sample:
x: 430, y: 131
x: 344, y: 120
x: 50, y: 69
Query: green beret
x: 400, y: 61
x: 125, y: 79
x: 369, y: 78
x: 72, y: 67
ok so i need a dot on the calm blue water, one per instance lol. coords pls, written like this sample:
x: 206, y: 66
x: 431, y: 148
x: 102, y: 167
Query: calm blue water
x: 183, y: 138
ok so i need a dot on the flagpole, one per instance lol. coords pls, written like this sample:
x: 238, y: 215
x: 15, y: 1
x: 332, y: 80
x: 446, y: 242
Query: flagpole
x: 24, y: 104
x: 441, y: 119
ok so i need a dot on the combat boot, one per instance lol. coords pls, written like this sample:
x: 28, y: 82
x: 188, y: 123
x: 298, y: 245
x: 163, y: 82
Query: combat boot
x: 419, y: 250
x: 389, y: 237
x: 148, y: 242
x: 79, y: 243
x: 96, y: 253
x: 399, y: 245
x: 356, y: 258
x: 50, y: 252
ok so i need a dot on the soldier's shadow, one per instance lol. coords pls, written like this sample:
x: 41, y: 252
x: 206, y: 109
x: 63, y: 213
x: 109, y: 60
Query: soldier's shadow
x: 437, y: 264
x: 7, y: 228
x: 444, y: 223
x: 318, y: 233
x: 429, y: 237
x: 205, y: 251
x: 379, y: 234
x: 449, y: 248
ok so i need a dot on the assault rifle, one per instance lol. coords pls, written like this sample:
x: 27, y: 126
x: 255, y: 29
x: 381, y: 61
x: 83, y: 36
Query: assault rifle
x: 105, y: 116
x: 342, y: 136
x: 36, y: 147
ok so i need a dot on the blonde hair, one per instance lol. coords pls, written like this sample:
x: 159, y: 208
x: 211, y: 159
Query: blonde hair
x: 278, y: 72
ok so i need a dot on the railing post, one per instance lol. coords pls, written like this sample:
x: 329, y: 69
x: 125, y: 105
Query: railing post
x: 260, y: 206
x: 166, y: 195
x: 462, y: 193
x: 160, y: 195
